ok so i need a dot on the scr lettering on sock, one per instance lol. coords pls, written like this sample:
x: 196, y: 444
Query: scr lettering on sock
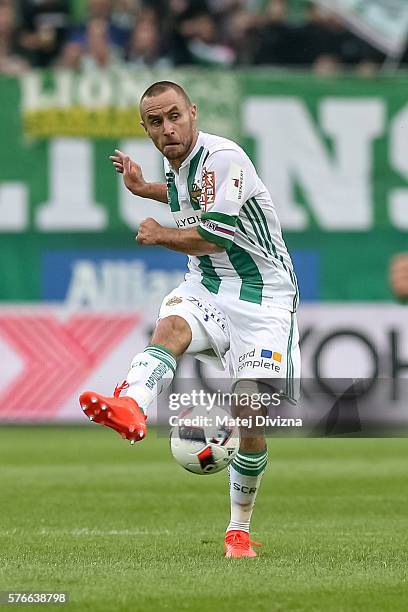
x: 244, y: 488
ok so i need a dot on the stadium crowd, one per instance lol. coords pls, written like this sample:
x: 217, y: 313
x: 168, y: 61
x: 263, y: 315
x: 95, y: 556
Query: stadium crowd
x: 160, y: 33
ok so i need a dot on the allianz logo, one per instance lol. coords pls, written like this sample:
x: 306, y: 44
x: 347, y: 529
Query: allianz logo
x: 118, y: 284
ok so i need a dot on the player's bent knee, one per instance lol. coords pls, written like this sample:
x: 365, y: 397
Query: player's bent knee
x: 198, y: 338
x: 175, y: 324
x: 173, y: 332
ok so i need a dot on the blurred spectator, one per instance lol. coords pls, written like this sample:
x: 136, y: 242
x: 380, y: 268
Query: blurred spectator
x: 44, y: 25
x: 93, y: 49
x: 98, y: 41
x: 10, y: 62
x: 202, y: 41
x: 75, y: 33
x: 101, y: 10
x: 177, y: 12
x: 124, y: 13
x: 195, y: 38
x: 276, y: 43
x: 325, y: 44
x: 144, y: 48
x: 317, y: 43
x: 399, y: 276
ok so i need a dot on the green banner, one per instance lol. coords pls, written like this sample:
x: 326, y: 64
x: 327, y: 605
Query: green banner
x: 105, y: 103
x: 332, y: 152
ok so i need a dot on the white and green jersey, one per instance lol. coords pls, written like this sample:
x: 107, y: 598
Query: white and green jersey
x: 217, y: 189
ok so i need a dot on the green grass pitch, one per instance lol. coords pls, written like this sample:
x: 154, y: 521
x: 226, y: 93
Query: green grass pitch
x: 125, y: 528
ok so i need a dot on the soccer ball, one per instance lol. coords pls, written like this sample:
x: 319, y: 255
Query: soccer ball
x: 204, y: 442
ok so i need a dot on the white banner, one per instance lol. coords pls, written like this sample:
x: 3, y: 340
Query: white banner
x: 50, y: 354
x: 384, y: 23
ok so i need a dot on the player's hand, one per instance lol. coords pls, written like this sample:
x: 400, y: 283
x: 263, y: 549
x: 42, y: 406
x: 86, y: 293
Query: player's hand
x: 132, y: 172
x: 149, y: 232
x: 399, y: 275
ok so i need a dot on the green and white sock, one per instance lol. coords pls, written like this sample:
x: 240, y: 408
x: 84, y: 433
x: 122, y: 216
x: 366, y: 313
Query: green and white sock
x: 150, y: 373
x: 245, y: 475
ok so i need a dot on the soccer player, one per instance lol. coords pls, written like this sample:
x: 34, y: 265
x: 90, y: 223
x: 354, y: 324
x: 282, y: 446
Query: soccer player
x: 238, y: 300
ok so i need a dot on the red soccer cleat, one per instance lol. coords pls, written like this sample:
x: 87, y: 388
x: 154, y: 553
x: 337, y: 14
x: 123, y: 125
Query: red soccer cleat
x: 238, y: 544
x: 121, y: 413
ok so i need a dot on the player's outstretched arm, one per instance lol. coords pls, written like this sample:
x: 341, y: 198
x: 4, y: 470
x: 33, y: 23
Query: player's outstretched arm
x: 186, y: 241
x: 134, y: 180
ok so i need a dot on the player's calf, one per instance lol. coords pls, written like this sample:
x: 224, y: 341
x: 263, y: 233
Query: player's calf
x: 245, y: 472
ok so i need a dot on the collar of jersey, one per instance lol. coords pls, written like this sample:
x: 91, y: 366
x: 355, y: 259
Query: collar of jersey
x: 193, y: 152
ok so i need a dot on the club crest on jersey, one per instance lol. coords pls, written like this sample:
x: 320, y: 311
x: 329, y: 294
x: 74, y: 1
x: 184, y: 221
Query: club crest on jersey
x: 174, y: 300
x: 195, y: 194
x: 208, y: 190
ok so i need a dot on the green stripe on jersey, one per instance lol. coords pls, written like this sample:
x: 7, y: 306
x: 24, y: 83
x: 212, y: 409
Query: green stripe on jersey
x: 192, y: 169
x: 265, y: 224
x: 172, y: 193
x: 296, y: 296
x: 255, y: 226
x: 209, y: 277
x: 241, y: 227
x: 221, y: 217
x: 289, y: 362
x: 257, y: 223
x: 261, y: 219
x: 252, y: 282
x: 224, y: 243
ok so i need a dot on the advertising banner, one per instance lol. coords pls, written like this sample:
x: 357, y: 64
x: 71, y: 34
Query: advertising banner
x: 50, y: 354
x: 332, y: 152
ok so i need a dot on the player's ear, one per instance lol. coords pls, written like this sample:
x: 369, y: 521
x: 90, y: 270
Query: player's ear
x: 194, y: 113
x: 143, y: 126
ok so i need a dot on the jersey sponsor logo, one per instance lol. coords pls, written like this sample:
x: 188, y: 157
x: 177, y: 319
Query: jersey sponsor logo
x: 174, y: 300
x: 266, y: 360
x: 235, y: 183
x: 212, y: 225
x: 192, y: 220
x: 208, y: 191
x: 209, y: 312
x: 268, y: 354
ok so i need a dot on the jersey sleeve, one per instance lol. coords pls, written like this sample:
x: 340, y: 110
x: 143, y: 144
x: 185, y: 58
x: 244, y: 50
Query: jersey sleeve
x: 225, y: 186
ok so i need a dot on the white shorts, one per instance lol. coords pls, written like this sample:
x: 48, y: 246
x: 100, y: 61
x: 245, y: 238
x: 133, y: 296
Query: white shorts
x: 250, y: 341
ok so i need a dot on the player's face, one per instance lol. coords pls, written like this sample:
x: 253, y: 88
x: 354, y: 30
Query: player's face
x: 171, y: 123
